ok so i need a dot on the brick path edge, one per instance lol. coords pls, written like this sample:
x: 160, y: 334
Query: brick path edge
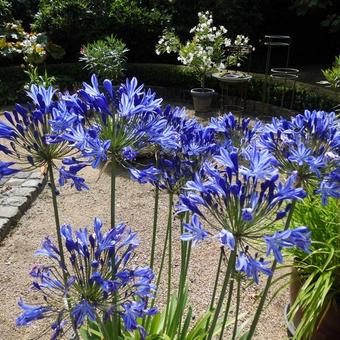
x: 17, y: 193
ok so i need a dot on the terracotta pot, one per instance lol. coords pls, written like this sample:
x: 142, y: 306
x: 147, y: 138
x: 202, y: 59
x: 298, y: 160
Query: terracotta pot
x: 202, y: 98
x: 328, y: 327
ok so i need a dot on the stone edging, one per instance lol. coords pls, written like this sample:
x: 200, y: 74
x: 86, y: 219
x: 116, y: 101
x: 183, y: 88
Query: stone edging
x: 17, y: 193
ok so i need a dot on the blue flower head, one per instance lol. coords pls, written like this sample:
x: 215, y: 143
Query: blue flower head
x: 98, y: 274
x: 309, y: 144
x: 239, y: 194
x: 194, y: 231
x: 28, y: 130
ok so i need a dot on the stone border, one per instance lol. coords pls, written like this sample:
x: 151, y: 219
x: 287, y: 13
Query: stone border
x: 17, y: 193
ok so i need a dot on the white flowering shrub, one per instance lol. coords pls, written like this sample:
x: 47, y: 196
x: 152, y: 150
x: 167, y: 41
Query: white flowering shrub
x: 208, y: 50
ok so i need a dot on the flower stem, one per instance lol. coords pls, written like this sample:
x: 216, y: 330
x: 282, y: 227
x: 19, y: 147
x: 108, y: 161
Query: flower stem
x: 268, y: 283
x: 231, y: 290
x: 161, y: 266
x: 60, y: 243
x: 169, y: 230
x: 56, y: 218
x: 113, y: 191
x: 230, y: 270
x: 115, y: 317
x: 154, y: 227
x: 238, y: 299
x: 185, y: 254
x: 185, y: 260
x: 217, y: 277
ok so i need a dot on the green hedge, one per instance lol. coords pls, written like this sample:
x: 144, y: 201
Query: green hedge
x: 70, y: 75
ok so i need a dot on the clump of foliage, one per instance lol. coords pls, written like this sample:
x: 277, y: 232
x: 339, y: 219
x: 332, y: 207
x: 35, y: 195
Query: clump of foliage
x: 329, y: 10
x: 320, y: 269
x: 332, y: 74
x: 77, y: 22
x: 106, y: 57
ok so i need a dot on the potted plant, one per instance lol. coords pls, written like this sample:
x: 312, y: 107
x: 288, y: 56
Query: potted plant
x: 314, y: 311
x: 206, y: 52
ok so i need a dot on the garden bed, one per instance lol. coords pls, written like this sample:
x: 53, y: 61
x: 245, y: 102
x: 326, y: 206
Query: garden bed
x: 134, y: 206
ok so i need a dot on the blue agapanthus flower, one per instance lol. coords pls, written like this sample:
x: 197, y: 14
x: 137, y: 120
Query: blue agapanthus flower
x: 299, y: 237
x: 231, y: 132
x: 98, y: 274
x: 245, y: 263
x: 194, y: 231
x: 27, y: 130
x: 123, y: 122
x: 330, y: 186
x: 239, y: 196
x: 309, y: 144
x: 6, y: 170
x: 194, y: 145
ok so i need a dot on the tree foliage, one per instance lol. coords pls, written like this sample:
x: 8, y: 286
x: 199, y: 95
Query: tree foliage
x: 329, y: 9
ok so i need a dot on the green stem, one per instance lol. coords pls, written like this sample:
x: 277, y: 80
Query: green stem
x: 113, y: 191
x: 185, y: 260
x: 154, y: 228
x: 115, y: 317
x: 159, y: 276
x: 56, y: 218
x: 268, y: 283
x: 230, y: 294
x: 169, y: 229
x: 238, y: 299
x: 230, y: 270
x: 216, y: 279
x: 60, y: 243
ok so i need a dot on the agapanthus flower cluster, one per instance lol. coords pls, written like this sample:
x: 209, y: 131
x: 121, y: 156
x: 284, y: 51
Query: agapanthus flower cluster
x: 26, y: 130
x: 195, y: 144
x: 123, y: 122
x: 330, y: 186
x: 231, y: 133
x: 206, y: 51
x: 240, y: 196
x: 100, y: 284
x: 309, y: 144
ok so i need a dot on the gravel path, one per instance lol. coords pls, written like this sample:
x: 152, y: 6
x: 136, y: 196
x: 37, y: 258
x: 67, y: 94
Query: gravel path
x: 134, y: 206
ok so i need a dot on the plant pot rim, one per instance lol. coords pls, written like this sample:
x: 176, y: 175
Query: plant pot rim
x: 202, y: 90
x: 290, y: 325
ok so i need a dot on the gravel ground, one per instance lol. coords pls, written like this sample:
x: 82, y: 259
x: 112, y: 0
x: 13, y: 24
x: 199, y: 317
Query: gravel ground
x: 134, y: 206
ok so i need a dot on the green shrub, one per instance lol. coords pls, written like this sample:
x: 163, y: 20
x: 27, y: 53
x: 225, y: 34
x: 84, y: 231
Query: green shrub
x: 332, y: 74
x: 106, y: 57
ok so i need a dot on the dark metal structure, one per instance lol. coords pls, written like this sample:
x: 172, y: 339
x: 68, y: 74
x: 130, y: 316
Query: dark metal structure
x: 284, y: 76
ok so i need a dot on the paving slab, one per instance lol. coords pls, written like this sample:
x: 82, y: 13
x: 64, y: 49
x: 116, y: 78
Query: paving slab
x: 17, y: 192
